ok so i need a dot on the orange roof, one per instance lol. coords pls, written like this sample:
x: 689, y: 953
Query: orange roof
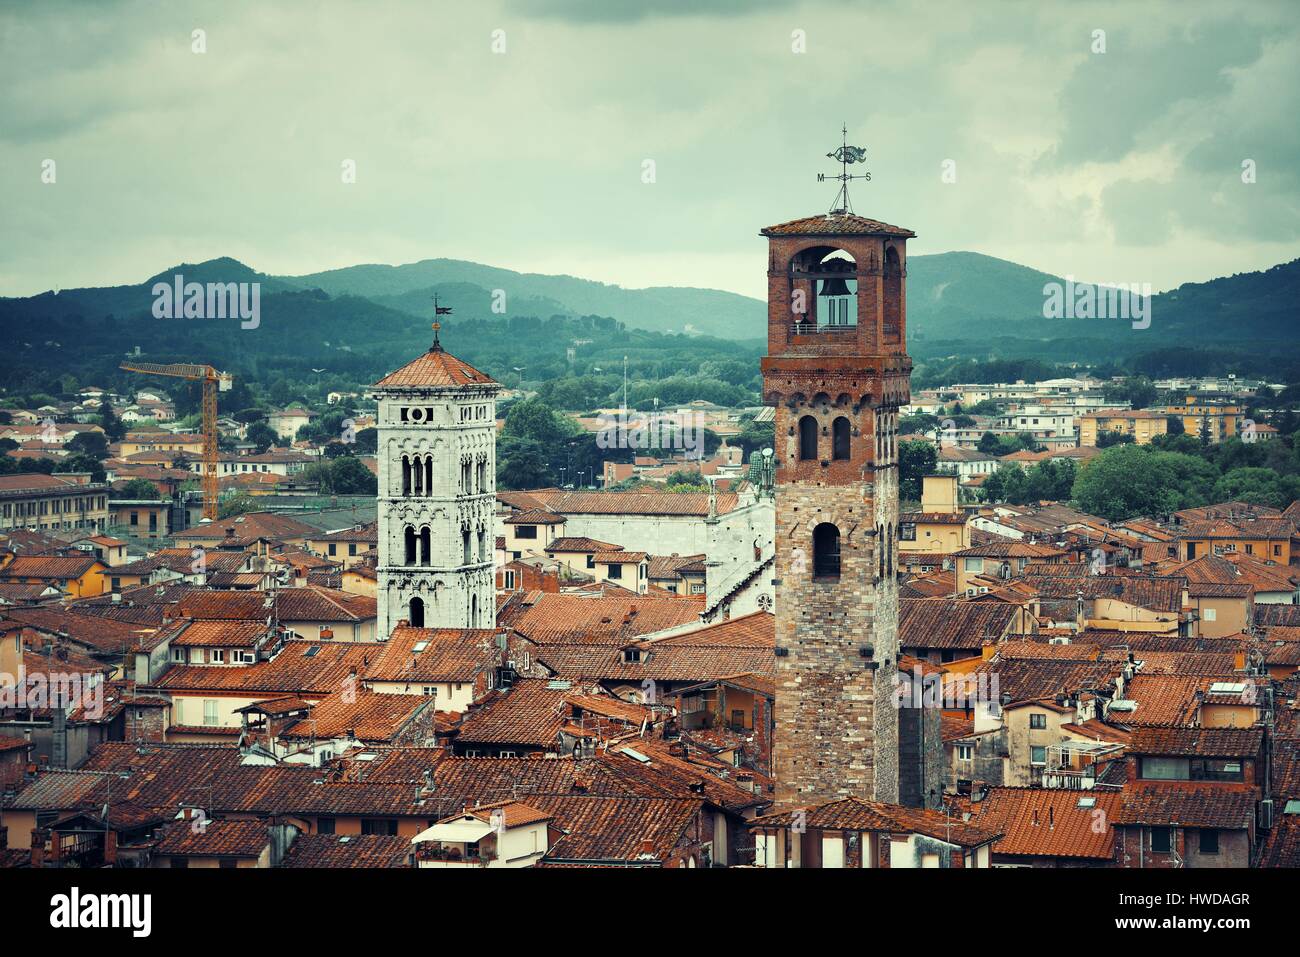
x: 434, y: 654
x: 435, y: 368
x: 838, y: 224
x: 1050, y: 822
x: 579, y: 619
x: 364, y: 715
x: 515, y: 813
x: 49, y: 567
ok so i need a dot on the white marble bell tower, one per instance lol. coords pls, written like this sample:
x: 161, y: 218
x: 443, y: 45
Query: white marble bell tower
x: 437, y: 494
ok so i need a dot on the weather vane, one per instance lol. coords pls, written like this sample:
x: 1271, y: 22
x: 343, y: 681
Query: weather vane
x: 438, y: 311
x: 846, y: 154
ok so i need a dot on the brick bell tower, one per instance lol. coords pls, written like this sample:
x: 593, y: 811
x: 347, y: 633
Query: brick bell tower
x: 837, y: 371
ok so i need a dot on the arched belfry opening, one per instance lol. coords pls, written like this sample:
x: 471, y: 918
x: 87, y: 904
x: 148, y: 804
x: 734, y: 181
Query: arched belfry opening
x: 840, y: 430
x: 826, y: 552
x: 416, y: 617
x: 893, y: 296
x: 825, y: 283
x: 807, y: 438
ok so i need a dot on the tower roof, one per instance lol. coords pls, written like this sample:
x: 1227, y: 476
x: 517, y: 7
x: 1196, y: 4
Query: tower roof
x: 435, y: 368
x: 836, y: 224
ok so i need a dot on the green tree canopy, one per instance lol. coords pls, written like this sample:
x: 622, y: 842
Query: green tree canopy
x: 1130, y: 480
x: 137, y: 488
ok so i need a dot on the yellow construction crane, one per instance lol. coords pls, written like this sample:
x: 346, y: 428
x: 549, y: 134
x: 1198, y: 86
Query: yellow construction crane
x: 213, y: 382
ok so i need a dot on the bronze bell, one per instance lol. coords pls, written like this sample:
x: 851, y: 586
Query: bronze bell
x: 835, y: 286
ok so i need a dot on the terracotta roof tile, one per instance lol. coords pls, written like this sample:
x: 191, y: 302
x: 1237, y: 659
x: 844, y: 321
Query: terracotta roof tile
x: 530, y: 713
x: 364, y: 715
x: 1187, y: 805
x: 301, y: 667
x: 943, y: 623
x: 435, y: 369
x: 576, y: 619
x: 836, y: 224
x: 348, y: 850
x: 213, y: 839
x: 444, y: 654
x: 1201, y: 742
x: 855, y: 814
x: 1050, y: 823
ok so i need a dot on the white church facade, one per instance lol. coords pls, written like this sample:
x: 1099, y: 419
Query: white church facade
x: 437, y: 494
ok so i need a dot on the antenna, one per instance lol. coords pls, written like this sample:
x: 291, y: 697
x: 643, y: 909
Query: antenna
x: 845, y: 154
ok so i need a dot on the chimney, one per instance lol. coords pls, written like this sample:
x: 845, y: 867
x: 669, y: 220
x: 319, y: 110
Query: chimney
x: 1034, y: 818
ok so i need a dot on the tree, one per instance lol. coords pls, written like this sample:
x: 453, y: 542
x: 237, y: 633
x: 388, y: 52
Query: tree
x: 137, y: 488
x: 922, y: 423
x: 367, y: 442
x: 262, y: 436
x: 110, y: 423
x: 1106, y: 439
x: 346, y: 475
x: 1259, y: 486
x: 1176, y: 443
x: 684, y: 480
x: 1130, y: 480
x: 521, y: 463
x: 915, y: 461
x: 1174, y: 425
x: 83, y: 463
x: 1138, y: 391
x: 92, y: 444
x: 1008, y: 484
x: 237, y: 504
x: 350, y: 476
x: 754, y: 436
x: 535, y: 420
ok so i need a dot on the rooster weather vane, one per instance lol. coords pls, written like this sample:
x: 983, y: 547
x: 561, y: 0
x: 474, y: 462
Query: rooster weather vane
x: 845, y: 154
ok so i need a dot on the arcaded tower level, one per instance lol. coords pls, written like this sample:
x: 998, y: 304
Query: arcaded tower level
x: 837, y: 371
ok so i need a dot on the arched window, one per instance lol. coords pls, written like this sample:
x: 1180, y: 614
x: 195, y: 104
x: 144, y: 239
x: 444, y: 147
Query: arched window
x: 826, y: 551
x: 417, y: 613
x: 840, y: 438
x: 807, y: 438
x: 473, y: 611
x: 428, y: 475
x: 406, y: 475
x: 893, y: 295
x: 417, y: 480
x: 469, y: 558
x: 410, y: 546
x: 426, y: 546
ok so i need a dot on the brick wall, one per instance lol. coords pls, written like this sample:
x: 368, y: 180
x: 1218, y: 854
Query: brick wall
x: 837, y: 729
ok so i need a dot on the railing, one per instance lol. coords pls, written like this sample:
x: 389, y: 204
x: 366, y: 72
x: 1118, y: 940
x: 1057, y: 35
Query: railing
x: 1067, y: 780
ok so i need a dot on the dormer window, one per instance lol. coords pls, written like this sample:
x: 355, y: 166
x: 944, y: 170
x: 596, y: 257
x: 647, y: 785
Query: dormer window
x: 632, y: 656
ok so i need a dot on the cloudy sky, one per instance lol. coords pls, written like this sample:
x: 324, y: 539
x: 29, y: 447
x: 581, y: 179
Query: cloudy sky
x: 1122, y: 166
